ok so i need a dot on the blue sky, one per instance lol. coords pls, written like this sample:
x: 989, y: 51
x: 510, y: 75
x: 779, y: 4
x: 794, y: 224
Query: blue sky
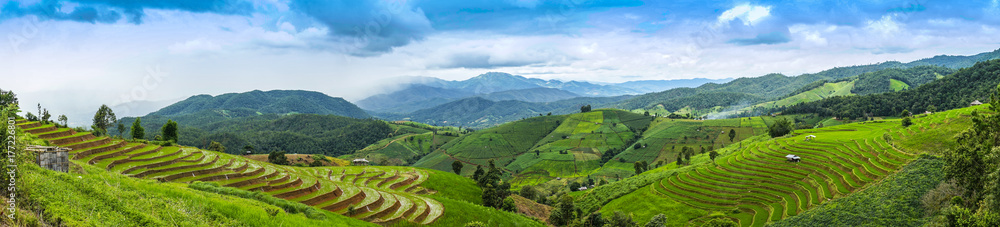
x: 114, y: 51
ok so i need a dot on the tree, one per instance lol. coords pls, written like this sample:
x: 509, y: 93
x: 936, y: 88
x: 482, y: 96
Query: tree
x: 639, y: 168
x: 508, y: 205
x: 659, y: 220
x: 620, y: 219
x: 39, y: 110
x: 574, y: 186
x: 7, y: 98
x: 594, y: 220
x: 646, y: 113
x: 63, y: 119
x: 317, y: 160
x: 585, y: 108
x: 457, y: 167
x: 277, y: 157
x: 169, y: 131
x: 121, y: 130
x: 30, y: 116
x: 975, y: 166
x: 780, y: 127
x: 529, y: 192
x: 478, y: 174
x: 563, y: 212
x: 732, y: 134
x: 712, y: 155
x: 905, y: 113
x: 216, y: 146
x: 138, y: 132
x: 931, y: 109
x: 103, y: 119
x: 907, y: 122
x: 45, y: 115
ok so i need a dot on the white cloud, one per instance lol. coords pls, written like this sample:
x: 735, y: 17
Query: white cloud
x: 749, y: 14
x: 885, y: 26
x: 194, y: 46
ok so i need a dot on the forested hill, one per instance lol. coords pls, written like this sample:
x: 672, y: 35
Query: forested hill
x: 295, y: 133
x: 882, y: 81
x: 478, y: 112
x: 263, y: 102
x: 775, y: 86
x: 954, y: 91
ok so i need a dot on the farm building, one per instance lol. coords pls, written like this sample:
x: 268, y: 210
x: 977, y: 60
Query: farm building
x: 360, y: 162
x: 810, y: 137
x: 975, y: 103
x: 793, y: 158
x: 52, y: 157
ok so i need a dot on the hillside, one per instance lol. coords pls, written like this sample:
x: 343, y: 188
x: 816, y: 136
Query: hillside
x: 324, y: 194
x: 754, y: 185
x: 263, y: 102
x: 950, y: 92
x: 478, y: 112
x: 531, y: 95
x: 297, y: 133
x: 410, y: 99
x: 773, y: 87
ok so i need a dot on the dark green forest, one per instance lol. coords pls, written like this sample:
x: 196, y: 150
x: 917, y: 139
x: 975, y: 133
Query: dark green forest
x: 954, y: 91
x: 878, y: 81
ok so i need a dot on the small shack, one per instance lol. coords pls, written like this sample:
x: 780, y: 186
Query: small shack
x: 975, y: 103
x: 360, y: 162
x: 52, y: 157
x: 810, y: 137
x: 793, y: 158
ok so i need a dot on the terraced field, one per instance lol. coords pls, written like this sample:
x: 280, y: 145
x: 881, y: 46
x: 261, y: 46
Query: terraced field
x: 375, y: 194
x: 756, y: 184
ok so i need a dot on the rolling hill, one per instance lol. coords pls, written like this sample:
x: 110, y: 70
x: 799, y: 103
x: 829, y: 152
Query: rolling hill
x: 258, y: 102
x: 233, y: 188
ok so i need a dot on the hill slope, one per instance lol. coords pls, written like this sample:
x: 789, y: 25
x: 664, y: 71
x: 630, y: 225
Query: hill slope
x: 256, y: 102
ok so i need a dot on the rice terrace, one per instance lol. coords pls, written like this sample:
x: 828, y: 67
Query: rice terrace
x: 630, y: 113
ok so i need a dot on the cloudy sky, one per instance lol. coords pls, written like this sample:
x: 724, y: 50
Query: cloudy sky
x: 72, y: 56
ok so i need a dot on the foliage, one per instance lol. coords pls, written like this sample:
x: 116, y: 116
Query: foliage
x: 7, y: 97
x: 138, y: 132
x: 277, y: 157
x: 585, y: 108
x: 879, y: 81
x: 169, y: 131
x: 895, y: 201
x: 457, y: 167
x: 975, y: 167
x: 720, y: 222
x: 563, y: 213
x: 953, y: 91
x: 297, y: 133
x: 216, y: 146
x: 622, y: 220
x: 732, y: 134
x: 659, y: 220
x: 103, y: 119
x: 782, y: 126
x: 907, y: 122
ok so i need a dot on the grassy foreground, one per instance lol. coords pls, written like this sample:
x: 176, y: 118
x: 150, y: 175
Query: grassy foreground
x: 95, y: 197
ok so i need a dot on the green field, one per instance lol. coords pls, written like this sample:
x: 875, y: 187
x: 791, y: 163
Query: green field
x: 897, y: 85
x: 754, y: 185
x: 822, y: 92
x: 383, y: 194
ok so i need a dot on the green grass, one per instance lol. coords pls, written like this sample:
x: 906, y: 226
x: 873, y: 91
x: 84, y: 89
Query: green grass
x: 100, y: 198
x: 645, y: 203
x: 745, y: 183
x: 894, y: 201
x: 819, y: 93
x: 897, y: 85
